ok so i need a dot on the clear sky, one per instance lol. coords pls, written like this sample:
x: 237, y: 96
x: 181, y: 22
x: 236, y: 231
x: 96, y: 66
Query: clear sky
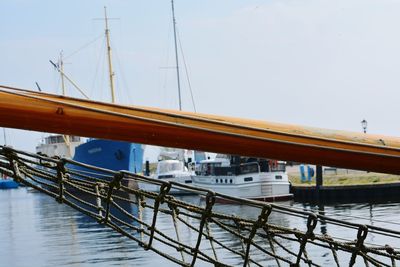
x: 320, y: 63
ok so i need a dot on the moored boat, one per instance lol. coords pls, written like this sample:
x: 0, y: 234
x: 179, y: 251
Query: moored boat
x: 171, y: 167
x: 58, y: 145
x: 7, y: 183
x: 252, y: 178
x: 112, y: 155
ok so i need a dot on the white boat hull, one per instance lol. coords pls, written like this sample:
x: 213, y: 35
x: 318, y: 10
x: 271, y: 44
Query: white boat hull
x: 253, y: 186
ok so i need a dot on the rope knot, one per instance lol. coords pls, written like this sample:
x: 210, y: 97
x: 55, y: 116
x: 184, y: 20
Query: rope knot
x: 9, y: 152
x: 389, y: 249
x: 61, y: 165
x: 164, y: 190
x: 263, y: 217
x: 116, y: 182
x: 362, y: 233
x: 312, y: 221
x: 210, y: 201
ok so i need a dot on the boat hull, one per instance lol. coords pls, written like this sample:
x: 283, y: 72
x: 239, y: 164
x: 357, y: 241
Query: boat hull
x: 260, y: 186
x: 8, y: 184
x: 112, y: 155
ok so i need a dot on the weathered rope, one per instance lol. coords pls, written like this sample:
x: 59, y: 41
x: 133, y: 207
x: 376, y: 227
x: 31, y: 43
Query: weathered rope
x: 219, y: 238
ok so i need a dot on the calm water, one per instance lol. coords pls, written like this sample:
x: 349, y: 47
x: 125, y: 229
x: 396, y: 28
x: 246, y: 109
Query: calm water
x: 37, y: 231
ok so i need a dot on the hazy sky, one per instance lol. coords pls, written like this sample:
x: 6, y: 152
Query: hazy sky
x: 320, y: 63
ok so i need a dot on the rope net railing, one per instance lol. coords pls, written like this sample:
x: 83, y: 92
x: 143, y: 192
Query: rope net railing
x: 210, y: 230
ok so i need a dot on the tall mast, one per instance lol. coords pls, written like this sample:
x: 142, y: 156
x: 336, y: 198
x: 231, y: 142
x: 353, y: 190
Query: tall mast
x: 110, y: 69
x: 176, y: 55
x: 61, y: 63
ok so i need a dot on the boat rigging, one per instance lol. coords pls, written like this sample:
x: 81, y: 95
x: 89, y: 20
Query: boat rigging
x: 176, y: 55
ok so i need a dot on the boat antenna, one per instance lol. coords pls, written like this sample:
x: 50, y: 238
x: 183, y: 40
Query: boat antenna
x: 38, y: 86
x: 176, y: 55
x: 110, y: 68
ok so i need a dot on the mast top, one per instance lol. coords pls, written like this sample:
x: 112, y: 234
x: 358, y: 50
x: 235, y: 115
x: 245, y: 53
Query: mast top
x: 176, y: 55
x: 110, y: 68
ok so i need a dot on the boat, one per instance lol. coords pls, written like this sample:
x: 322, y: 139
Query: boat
x: 112, y: 155
x: 244, y: 177
x: 58, y: 145
x: 171, y: 167
x: 7, y: 183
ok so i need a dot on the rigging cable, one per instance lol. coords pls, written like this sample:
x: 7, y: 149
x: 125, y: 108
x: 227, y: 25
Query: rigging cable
x: 125, y: 84
x: 84, y: 46
x: 100, y: 62
x: 102, y: 79
x: 101, y: 54
x: 186, y: 70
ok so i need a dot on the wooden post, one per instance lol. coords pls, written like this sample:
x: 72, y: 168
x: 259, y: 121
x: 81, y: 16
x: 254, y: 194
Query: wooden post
x: 319, y: 179
x: 319, y: 182
x: 147, y: 168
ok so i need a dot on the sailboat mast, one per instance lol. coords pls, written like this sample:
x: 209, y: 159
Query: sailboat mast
x: 61, y: 63
x: 176, y: 55
x: 110, y: 68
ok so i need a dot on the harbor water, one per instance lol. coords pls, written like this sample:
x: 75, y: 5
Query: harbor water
x: 35, y: 230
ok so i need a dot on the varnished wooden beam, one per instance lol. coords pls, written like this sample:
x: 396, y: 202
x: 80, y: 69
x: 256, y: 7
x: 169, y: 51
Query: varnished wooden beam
x: 29, y: 110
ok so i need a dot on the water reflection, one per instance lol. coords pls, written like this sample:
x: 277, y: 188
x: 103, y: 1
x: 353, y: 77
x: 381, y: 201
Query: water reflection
x: 33, y: 224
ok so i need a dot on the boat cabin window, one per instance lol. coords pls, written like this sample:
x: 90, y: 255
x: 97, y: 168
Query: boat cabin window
x: 73, y: 138
x: 251, y: 167
x: 248, y: 179
x: 209, y: 168
x: 170, y: 166
x: 278, y: 167
x: 56, y: 139
x: 59, y: 139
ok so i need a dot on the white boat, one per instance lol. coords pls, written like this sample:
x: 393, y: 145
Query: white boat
x: 174, y: 170
x: 252, y: 178
x: 171, y: 167
x: 58, y: 145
